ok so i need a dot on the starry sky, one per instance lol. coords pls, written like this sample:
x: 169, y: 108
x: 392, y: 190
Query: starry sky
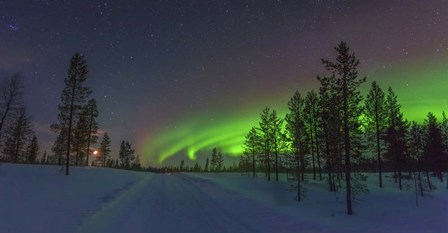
x: 177, y: 78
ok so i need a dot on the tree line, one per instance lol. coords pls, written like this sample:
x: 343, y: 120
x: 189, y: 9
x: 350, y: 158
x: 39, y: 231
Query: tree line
x: 335, y: 134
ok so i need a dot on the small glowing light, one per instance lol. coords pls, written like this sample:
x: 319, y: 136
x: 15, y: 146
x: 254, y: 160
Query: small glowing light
x: 95, y: 152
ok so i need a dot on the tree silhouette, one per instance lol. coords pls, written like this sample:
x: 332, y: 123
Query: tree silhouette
x: 73, y: 98
x: 375, y: 114
x: 296, y: 128
x: 345, y: 72
x: 396, y: 133
x: 105, y: 149
x: 251, y: 146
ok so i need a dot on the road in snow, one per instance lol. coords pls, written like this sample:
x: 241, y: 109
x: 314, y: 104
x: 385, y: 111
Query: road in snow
x: 41, y: 199
x: 178, y: 203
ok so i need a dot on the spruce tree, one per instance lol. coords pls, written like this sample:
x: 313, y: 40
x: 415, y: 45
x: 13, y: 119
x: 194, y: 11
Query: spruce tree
x: 105, y: 149
x: 375, y: 114
x: 345, y: 72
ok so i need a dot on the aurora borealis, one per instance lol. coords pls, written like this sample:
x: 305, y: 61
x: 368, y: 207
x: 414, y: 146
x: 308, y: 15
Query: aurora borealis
x: 177, y: 78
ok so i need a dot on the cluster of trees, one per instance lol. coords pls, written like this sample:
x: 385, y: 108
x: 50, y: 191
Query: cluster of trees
x: 331, y: 132
x: 18, y: 141
x: 77, y: 127
x: 216, y: 164
x: 127, y: 158
x: 76, y: 124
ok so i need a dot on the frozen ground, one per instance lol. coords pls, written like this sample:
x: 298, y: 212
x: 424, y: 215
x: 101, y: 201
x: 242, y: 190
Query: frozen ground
x: 40, y: 199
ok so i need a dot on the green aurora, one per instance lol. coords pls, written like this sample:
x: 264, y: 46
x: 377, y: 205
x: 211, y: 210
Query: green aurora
x: 420, y: 89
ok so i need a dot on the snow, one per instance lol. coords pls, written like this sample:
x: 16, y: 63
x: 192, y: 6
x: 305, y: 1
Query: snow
x: 39, y: 198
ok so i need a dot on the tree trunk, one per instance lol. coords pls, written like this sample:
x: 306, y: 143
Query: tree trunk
x: 253, y: 163
x: 319, y: 169
x: 378, y: 145
x: 298, y: 178
x: 312, y: 150
x: 347, y: 164
x: 428, y: 180
x: 67, y: 162
x: 276, y: 165
x: 88, y: 143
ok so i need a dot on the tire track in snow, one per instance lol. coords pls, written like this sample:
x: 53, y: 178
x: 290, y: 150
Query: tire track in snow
x: 222, y: 218
x: 101, y: 221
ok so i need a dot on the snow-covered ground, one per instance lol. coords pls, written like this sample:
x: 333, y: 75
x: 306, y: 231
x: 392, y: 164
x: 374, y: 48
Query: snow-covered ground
x: 41, y: 199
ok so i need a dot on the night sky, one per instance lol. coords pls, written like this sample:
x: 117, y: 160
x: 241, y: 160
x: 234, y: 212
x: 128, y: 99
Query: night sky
x: 177, y: 78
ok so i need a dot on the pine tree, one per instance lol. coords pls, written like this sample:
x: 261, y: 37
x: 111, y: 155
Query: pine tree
x: 331, y: 129
x: 251, y: 147
x: 105, y: 149
x: 276, y: 132
x: 375, y: 114
x: 296, y: 128
x: 396, y: 133
x: 73, y: 98
x: 33, y: 150
x: 347, y: 82
x: 433, y: 152
x: 416, y: 146
x: 311, y: 117
x: 266, y: 139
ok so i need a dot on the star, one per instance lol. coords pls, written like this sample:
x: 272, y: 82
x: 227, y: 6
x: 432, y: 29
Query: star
x: 13, y: 27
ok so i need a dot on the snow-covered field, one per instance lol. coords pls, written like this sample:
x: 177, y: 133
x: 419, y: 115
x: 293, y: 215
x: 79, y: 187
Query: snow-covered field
x: 41, y: 199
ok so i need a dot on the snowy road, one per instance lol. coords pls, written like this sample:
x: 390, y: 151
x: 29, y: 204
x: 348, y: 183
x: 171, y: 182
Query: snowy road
x: 176, y: 203
x: 39, y: 199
